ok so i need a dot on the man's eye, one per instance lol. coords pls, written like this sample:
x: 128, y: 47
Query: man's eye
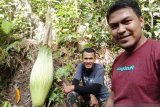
x: 113, y: 26
x: 127, y: 22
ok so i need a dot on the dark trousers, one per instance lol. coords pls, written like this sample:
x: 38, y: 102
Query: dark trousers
x: 76, y: 100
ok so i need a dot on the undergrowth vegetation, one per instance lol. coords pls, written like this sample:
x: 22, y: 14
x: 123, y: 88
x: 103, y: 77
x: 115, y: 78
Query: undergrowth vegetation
x: 76, y: 24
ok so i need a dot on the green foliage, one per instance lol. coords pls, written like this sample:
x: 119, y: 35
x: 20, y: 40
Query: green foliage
x: 39, y: 7
x: 17, y: 46
x: 87, y: 24
x: 62, y: 72
x: 56, y: 96
x: 92, y: 14
x: 108, y: 68
x: 6, y: 27
x: 151, y: 13
x: 6, y: 104
x: 8, y: 34
x: 3, y: 55
x: 66, y: 22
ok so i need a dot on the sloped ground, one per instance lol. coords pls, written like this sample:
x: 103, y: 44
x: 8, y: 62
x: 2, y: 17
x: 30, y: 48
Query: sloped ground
x: 17, y: 77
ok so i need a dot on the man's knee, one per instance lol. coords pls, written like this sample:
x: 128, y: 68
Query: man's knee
x: 72, y: 99
x: 72, y: 95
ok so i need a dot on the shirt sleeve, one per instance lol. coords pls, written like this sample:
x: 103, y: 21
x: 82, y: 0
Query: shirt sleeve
x: 91, y: 89
x: 75, y: 82
x: 99, y: 74
x: 78, y: 73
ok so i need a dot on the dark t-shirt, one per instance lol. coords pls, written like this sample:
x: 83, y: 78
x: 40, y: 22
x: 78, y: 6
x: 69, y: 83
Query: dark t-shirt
x: 96, y: 75
x: 136, y: 76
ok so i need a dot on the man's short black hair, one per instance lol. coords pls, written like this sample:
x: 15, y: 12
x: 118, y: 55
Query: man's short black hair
x: 119, y: 4
x: 89, y: 50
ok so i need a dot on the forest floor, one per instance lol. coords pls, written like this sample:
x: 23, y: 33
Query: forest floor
x: 18, y: 78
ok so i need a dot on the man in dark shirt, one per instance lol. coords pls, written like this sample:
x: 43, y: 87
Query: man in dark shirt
x: 93, y: 91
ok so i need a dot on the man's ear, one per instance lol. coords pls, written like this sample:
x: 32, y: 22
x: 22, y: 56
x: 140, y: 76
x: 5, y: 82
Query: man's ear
x: 141, y: 21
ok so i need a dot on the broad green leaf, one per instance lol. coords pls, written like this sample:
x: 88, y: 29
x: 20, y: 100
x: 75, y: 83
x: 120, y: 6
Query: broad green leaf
x: 7, y: 27
x: 7, y: 104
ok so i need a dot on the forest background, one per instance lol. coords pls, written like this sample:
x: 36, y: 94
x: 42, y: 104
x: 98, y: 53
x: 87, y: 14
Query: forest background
x: 76, y: 24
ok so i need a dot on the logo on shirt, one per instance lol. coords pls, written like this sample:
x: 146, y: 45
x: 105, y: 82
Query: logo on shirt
x: 126, y: 68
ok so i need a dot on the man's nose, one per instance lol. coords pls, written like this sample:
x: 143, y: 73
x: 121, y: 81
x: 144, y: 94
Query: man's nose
x: 88, y: 60
x: 121, y: 29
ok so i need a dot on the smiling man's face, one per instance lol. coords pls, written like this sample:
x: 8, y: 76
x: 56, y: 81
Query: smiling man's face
x: 126, y: 28
x: 88, y: 59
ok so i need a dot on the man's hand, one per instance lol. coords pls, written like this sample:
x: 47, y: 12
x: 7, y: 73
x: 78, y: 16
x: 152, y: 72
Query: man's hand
x: 68, y: 89
x: 93, y: 101
x: 110, y: 101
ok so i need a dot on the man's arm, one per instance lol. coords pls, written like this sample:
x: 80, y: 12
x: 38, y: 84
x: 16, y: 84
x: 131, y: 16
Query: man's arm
x: 70, y: 88
x: 75, y: 82
x: 92, y: 89
x: 110, y: 101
